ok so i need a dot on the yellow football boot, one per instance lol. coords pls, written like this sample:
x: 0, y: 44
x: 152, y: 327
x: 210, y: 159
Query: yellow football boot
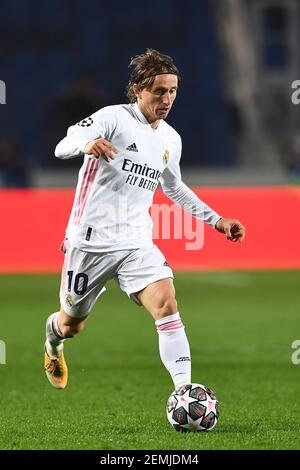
x: 56, y: 370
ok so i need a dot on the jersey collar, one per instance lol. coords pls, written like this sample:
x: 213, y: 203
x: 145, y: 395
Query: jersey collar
x: 141, y: 117
x: 139, y: 114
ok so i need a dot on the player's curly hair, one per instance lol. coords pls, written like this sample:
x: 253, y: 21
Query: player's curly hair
x: 144, y: 69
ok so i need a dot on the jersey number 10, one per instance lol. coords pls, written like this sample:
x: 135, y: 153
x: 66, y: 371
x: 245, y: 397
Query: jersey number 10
x: 80, y: 282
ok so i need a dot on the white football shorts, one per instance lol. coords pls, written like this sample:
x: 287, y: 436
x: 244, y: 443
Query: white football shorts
x: 85, y: 274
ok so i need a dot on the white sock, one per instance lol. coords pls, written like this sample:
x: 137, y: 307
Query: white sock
x: 174, y: 348
x: 54, y: 337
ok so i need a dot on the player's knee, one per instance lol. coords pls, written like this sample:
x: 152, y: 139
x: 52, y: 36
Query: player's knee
x: 70, y: 330
x: 167, y: 306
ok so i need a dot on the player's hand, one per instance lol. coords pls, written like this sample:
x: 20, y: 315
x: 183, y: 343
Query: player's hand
x: 233, y: 229
x: 101, y: 148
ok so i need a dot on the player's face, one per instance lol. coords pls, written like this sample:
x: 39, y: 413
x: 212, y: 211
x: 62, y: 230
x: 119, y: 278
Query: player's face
x: 156, y: 102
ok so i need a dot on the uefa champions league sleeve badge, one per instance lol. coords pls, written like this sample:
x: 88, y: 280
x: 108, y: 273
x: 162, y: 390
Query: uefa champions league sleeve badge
x: 85, y: 122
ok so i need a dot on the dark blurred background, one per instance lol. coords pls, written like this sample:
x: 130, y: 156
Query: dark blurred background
x: 61, y: 60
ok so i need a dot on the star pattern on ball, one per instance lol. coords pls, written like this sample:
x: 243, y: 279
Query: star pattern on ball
x: 193, y: 407
x: 192, y: 424
x: 211, y: 406
x: 184, y: 400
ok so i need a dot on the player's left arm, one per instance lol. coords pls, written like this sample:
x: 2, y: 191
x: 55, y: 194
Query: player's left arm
x: 183, y: 196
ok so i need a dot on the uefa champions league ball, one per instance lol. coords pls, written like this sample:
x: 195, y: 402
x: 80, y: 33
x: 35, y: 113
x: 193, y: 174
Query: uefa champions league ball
x: 193, y: 407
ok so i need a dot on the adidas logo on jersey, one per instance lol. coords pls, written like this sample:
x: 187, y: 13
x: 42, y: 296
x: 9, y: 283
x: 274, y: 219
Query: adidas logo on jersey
x: 132, y: 147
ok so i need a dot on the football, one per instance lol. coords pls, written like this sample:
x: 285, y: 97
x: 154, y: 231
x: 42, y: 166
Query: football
x: 193, y: 407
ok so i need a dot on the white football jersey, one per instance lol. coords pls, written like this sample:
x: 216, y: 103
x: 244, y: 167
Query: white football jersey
x: 112, y: 200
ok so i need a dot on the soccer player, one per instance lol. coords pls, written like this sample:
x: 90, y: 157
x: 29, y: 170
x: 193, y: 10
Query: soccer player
x: 128, y: 149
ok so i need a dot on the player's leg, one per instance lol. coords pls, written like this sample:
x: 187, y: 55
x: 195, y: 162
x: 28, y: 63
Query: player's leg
x: 81, y: 284
x: 159, y: 299
x: 146, y: 277
x: 59, y: 327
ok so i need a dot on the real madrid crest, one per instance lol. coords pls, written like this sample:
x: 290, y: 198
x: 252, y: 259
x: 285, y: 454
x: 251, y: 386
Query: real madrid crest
x: 166, y: 157
x: 69, y: 300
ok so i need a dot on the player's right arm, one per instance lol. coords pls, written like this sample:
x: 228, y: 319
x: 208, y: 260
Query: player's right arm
x: 90, y: 136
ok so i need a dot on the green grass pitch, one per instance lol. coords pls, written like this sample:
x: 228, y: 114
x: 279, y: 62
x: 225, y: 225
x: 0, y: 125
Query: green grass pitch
x: 240, y: 325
